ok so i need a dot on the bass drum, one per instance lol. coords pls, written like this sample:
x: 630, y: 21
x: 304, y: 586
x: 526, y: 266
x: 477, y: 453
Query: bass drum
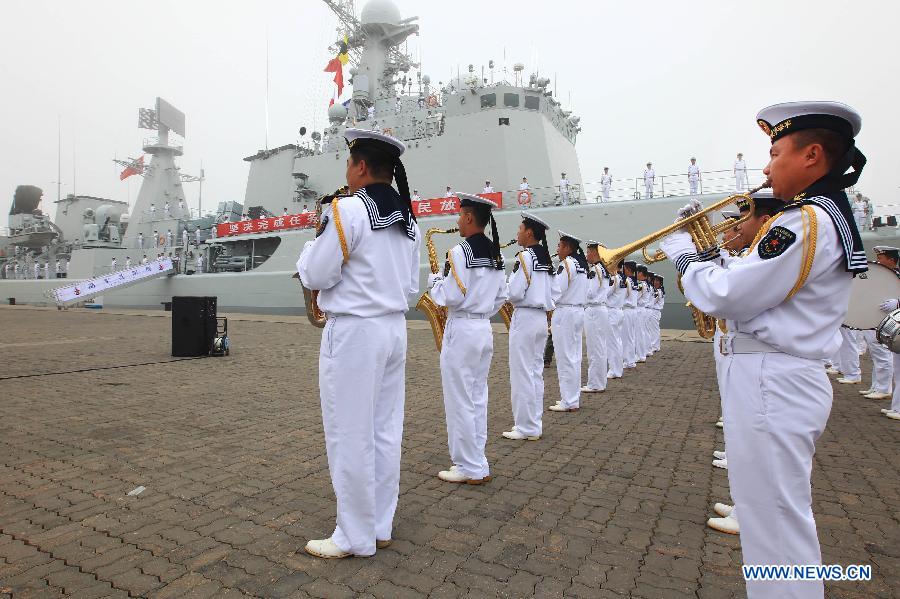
x: 866, y: 294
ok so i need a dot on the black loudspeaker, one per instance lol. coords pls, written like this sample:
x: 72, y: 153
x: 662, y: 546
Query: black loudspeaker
x: 876, y: 222
x: 892, y: 221
x: 193, y: 325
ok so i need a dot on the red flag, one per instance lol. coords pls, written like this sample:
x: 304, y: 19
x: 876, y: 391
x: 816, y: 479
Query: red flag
x: 335, y: 66
x: 135, y: 168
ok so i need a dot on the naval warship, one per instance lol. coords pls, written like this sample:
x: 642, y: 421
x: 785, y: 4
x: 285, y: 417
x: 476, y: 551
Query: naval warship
x: 461, y: 134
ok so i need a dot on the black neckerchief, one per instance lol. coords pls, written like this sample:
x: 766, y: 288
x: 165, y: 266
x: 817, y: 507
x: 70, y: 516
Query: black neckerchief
x: 541, y: 257
x: 478, y: 250
x: 386, y: 208
x: 827, y: 195
x: 581, y: 263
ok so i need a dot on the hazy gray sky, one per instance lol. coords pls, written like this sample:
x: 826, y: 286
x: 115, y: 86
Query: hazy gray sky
x: 658, y: 81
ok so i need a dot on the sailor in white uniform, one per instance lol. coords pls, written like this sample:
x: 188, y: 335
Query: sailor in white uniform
x: 449, y: 193
x: 882, y: 358
x: 140, y: 240
x: 185, y: 237
x: 784, y: 303
x: 365, y: 264
x: 693, y: 174
x: 472, y: 287
x: 890, y: 257
x: 488, y: 188
x: 657, y: 307
x: 614, y: 302
x: 860, y: 210
x: 642, y: 314
x: 569, y: 295
x: 199, y: 262
x: 596, y: 321
x: 563, y: 190
x: 530, y: 290
x: 605, y: 184
x: 649, y: 179
x: 848, y: 356
x: 632, y: 292
x: 740, y: 173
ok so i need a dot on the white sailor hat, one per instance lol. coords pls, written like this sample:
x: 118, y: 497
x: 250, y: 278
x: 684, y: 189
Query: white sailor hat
x: 530, y: 216
x: 468, y: 199
x: 885, y: 249
x: 779, y: 120
x: 564, y: 235
x: 591, y: 242
x: 354, y: 136
x: 731, y: 214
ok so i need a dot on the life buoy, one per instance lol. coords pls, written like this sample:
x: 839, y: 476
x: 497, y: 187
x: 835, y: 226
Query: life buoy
x: 432, y: 101
x: 524, y: 198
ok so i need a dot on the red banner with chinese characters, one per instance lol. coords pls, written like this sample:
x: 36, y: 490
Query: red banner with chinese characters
x: 439, y: 206
x: 265, y: 225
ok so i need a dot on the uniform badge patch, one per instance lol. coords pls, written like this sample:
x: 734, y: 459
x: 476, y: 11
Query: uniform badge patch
x: 776, y: 242
x: 447, y: 268
x: 516, y: 266
x: 321, y: 228
x: 559, y: 270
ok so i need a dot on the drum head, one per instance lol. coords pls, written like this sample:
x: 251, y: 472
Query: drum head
x: 867, y: 292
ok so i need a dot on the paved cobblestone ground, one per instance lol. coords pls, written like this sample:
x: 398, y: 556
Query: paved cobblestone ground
x: 610, y: 503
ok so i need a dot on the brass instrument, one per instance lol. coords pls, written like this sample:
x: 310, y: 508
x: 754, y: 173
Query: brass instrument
x: 506, y: 310
x: 704, y: 235
x: 437, y: 315
x: 310, y: 296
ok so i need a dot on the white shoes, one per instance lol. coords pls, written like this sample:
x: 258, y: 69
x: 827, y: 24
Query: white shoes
x: 878, y: 395
x: 720, y: 423
x: 727, y: 525
x: 832, y: 370
x: 867, y: 391
x: 515, y: 435
x: 558, y: 407
x: 610, y: 375
x: 326, y: 548
x: 454, y: 475
x: 587, y: 389
x: 846, y: 381
x: 719, y: 455
x: 723, y: 509
x: 721, y: 464
x: 892, y: 415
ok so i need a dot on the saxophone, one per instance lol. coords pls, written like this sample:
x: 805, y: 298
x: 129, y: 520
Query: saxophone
x: 506, y: 310
x: 310, y: 296
x: 437, y: 315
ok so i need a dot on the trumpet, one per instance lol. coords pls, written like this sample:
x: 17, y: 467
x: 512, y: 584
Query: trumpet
x: 506, y: 310
x: 703, y: 233
x: 437, y: 315
x: 314, y: 314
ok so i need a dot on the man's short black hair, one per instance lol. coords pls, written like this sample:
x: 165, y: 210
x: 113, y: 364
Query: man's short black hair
x: 380, y: 163
x: 540, y: 233
x: 482, y: 216
x: 833, y: 143
x: 570, y: 243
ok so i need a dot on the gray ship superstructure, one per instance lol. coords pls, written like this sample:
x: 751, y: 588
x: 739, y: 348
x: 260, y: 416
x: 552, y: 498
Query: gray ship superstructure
x: 458, y: 134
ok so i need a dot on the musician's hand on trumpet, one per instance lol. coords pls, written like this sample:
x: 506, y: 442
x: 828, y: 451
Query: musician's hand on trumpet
x: 434, y: 278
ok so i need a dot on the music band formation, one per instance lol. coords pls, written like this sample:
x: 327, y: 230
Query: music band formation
x: 785, y: 254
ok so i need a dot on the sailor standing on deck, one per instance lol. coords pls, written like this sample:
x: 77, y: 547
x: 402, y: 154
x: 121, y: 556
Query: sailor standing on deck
x: 563, y: 190
x: 365, y: 264
x: 569, y: 295
x: 649, y: 180
x: 488, y: 188
x: 140, y: 240
x: 472, y: 287
x: 605, y: 184
x: 614, y: 302
x: 694, y: 177
x: 740, y: 173
x: 596, y: 321
x: 784, y: 302
x: 530, y: 289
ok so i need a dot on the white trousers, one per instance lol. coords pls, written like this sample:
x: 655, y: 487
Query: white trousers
x: 695, y: 185
x: 882, y: 363
x: 568, y: 326
x: 362, y: 363
x: 849, y: 355
x: 628, y: 352
x: 740, y: 180
x: 465, y: 361
x: 648, y: 189
x: 646, y: 331
x: 527, y: 338
x: 604, y: 191
x: 596, y: 332
x: 895, y: 400
x: 657, y: 335
x: 776, y: 406
x: 614, y: 342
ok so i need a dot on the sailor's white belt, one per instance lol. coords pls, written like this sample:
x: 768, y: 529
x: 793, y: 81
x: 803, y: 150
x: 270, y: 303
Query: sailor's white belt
x: 530, y: 308
x: 741, y: 343
x: 627, y: 307
x: 469, y: 315
x: 570, y: 305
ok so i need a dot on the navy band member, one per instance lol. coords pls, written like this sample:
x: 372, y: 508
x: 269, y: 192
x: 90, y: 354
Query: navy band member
x: 530, y: 289
x: 642, y: 314
x: 882, y: 357
x: 890, y: 257
x: 596, y: 321
x: 614, y: 302
x: 569, y: 295
x: 473, y: 287
x: 365, y: 262
x: 632, y: 292
x: 784, y: 303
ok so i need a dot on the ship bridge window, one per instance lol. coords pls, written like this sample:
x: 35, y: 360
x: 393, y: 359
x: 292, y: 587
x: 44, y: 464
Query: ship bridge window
x: 532, y: 102
x: 488, y: 100
x: 511, y: 100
